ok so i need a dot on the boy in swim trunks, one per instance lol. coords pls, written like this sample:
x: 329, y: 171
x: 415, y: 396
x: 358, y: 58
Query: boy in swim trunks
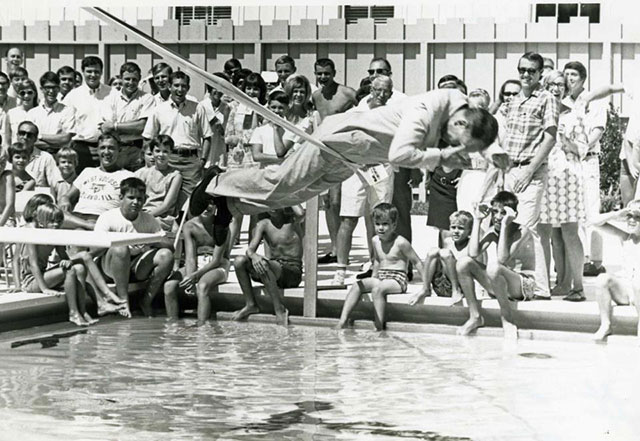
x: 624, y: 287
x: 203, y: 270
x: 283, y: 235
x: 391, y: 256
x: 515, y: 268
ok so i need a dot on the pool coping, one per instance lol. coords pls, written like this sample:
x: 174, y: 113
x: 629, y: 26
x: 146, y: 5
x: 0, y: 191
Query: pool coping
x: 540, y: 319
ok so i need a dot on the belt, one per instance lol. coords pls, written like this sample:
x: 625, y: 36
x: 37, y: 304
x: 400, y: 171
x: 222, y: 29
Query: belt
x: 521, y: 163
x: 186, y: 153
x: 591, y: 154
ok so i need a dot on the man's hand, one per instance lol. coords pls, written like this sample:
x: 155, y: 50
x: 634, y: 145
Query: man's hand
x: 189, y: 280
x: 481, y: 211
x: 523, y: 181
x: 65, y: 205
x: 416, y: 177
x: 453, y: 157
x: 106, y: 127
x: 260, y: 265
x: 65, y: 264
x: 500, y: 160
x: 509, y: 216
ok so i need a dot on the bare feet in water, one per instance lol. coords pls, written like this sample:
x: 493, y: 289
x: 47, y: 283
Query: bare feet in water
x: 105, y: 308
x: 282, y: 317
x: 471, y: 326
x: 602, y: 333
x: 510, y: 330
x: 90, y: 320
x: 145, y: 305
x: 124, y: 311
x: 78, y: 320
x: 245, y: 312
x: 113, y: 298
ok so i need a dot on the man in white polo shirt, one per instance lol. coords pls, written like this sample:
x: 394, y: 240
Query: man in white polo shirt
x: 125, y: 114
x: 56, y: 122
x: 87, y: 99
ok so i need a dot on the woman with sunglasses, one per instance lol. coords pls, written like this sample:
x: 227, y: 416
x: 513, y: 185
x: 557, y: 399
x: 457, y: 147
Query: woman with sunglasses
x: 28, y: 94
x: 563, y: 202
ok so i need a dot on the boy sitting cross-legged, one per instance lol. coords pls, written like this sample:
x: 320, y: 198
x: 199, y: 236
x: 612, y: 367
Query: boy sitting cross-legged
x: 515, y: 268
x: 282, y: 233
x: 126, y: 263
x: 202, y: 271
x: 391, y: 256
x: 624, y: 287
x: 454, y: 247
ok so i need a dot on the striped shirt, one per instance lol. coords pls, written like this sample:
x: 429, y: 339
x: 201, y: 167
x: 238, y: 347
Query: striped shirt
x: 527, y: 119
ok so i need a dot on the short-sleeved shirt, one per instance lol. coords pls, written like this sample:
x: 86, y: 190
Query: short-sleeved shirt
x: 595, y: 117
x: 118, y: 108
x: 185, y: 123
x: 42, y: 166
x: 88, y: 106
x: 53, y: 120
x: 113, y: 221
x: 157, y: 183
x: 527, y: 119
x: 99, y: 190
x: 264, y: 135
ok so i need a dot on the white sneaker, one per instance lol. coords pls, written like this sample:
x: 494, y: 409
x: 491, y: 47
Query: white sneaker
x: 366, y: 266
x: 338, y: 278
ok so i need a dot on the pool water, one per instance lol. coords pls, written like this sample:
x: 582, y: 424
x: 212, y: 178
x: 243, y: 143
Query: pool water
x: 147, y: 379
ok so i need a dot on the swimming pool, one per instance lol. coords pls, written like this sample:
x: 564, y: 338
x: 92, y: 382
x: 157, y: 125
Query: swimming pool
x: 146, y: 379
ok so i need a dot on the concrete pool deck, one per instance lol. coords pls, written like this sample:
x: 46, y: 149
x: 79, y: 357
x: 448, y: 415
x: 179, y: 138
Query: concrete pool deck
x: 535, y: 318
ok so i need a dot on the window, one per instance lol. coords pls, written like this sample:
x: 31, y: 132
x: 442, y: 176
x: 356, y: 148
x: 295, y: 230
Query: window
x: 564, y: 11
x: 210, y: 14
x: 380, y: 14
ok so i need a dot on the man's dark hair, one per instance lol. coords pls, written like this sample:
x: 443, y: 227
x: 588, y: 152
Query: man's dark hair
x: 106, y: 136
x: 5, y: 76
x: 462, y: 87
x: 29, y: 123
x: 482, y: 125
x: 447, y: 78
x: 159, y: 67
x: 66, y: 70
x: 280, y: 97
x: 18, y: 72
x: 506, y: 199
x: 49, y: 77
x: 533, y: 56
x: 382, y: 60
x: 232, y: 63
x: 130, y: 67
x: 92, y: 61
x: 179, y: 75
x: 133, y: 183
x: 578, y: 66
x: 385, y: 210
x: 325, y: 62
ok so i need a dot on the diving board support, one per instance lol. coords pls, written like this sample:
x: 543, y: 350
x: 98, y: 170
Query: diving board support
x: 311, y: 259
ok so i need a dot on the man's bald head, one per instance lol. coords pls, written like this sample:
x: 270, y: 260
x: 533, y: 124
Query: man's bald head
x: 381, y: 90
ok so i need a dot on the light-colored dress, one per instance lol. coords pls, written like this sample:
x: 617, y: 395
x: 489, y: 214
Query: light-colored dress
x: 563, y: 199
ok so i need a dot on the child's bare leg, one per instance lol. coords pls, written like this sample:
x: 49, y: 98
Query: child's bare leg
x: 96, y: 279
x: 118, y: 261
x: 430, y: 265
x: 379, y: 295
x: 353, y: 297
x: 505, y: 281
x: 241, y: 264
x: 469, y: 270
x: 162, y: 266
x: 271, y: 287
x: 203, y: 289
x: 81, y: 284
x: 449, y: 268
x: 608, y: 289
x: 171, y: 288
x: 71, y: 293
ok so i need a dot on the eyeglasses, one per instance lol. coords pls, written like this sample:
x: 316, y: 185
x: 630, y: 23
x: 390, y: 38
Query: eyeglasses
x: 381, y: 91
x: 531, y: 71
x: 378, y: 71
x: 27, y: 92
x: 558, y: 85
x: 27, y: 134
x: 510, y: 93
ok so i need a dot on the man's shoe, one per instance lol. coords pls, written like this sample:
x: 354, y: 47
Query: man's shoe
x: 592, y: 270
x: 328, y: 258
x: 365, y: 275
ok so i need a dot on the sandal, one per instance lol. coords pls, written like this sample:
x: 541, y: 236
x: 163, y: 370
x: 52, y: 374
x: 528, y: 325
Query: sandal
x: 575, y: 296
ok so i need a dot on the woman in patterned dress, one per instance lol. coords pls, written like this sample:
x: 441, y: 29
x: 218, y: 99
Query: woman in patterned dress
x: 562, y: 202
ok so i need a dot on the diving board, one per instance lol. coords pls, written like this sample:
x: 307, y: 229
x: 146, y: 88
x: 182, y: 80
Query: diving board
x: 94, y: 239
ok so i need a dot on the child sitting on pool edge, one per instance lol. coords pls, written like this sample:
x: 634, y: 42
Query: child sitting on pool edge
x: 624, y: 287
x: 391, y: 256
x: 444, y: 259
x: 201, y: 273
x: 282, y: 233
x: 515, y: 268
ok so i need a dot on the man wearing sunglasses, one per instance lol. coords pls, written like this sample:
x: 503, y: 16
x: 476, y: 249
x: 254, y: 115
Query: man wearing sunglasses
x: 532, y: 121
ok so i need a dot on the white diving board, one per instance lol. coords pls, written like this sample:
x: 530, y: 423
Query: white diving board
x: 97, y: 239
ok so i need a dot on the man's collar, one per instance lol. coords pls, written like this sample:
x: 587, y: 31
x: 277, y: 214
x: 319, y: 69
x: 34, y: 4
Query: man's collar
x: 49, y: 108
x: 133, y: 96
x: 176, y: 105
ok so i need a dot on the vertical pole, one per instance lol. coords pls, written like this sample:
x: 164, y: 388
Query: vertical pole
x: 311, y: 259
